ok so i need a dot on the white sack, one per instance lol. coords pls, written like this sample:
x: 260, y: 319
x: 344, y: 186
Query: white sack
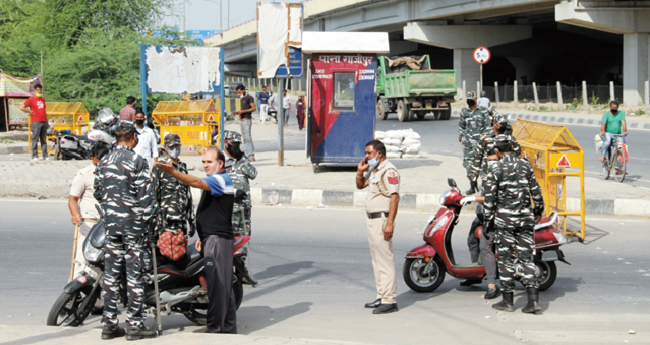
x: 393, y: 148
x: 395, y: 134
x: 392, y: 141
x: 411, y: 148
x: 410, y: 141
x: 391, y: 155
x: 380, y: 135
x: 409, y: 156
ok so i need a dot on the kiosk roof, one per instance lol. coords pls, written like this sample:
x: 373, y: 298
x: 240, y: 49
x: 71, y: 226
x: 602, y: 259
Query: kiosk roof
x: 345, y: 42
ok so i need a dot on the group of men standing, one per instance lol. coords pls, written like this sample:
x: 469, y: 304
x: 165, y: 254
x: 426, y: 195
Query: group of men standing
x: 131, y: 194
x: 491, y: 153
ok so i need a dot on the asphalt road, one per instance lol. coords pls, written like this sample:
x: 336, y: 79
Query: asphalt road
x: 441, y: 138
x: 315, y: 274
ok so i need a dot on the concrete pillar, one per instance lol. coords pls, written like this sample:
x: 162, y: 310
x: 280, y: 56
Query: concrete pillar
x: 635, y: 67
x: 466, y: 68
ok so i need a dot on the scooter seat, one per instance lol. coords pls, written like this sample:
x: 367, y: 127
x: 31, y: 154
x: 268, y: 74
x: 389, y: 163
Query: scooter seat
x: 80, y: 137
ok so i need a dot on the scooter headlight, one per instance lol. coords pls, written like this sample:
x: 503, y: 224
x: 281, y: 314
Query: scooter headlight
x: 92, y: 254
x: 443, y: 197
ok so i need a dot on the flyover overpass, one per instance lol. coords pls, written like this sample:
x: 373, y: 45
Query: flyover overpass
x: 570, y: 41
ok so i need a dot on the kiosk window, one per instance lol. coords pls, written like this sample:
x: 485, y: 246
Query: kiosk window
x: 344, y: 90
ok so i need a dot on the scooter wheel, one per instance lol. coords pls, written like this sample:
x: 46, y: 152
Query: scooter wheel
x: 548, y: 273
x: 66, y: 308
x: 422, y: 276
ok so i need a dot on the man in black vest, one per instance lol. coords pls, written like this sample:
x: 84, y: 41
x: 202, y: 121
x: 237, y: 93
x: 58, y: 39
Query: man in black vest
x: 216, y: 237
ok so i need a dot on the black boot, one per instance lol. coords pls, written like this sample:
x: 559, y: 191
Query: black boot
x: 505, y: 304
x: 109, y: 333
x: 142, y: 333
x: 533, y: 301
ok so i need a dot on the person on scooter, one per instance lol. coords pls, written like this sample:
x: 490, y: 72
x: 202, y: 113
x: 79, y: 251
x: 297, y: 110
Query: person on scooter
x: 474, y: 121
x: 382, y: 178
x: 123, y: 188
x: 509, y: 188
x: 82, y: 205
x: 486, y: 242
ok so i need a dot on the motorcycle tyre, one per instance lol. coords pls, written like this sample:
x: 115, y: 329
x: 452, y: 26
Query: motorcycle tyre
x: 64, y: 299
x: 406, y: 272
x: 552, y: 274
x: 200, y: 317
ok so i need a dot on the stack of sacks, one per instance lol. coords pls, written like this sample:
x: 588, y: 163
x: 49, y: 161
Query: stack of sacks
x: 404, y: 143
x: 410, y: 144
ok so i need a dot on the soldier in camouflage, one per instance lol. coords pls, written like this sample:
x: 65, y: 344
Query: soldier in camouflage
x: 510, y: 186
x: 123, y: 189
x: 240, y: 170
x: 172, y: 195
x: 479, y: 167
x: 474, y: 122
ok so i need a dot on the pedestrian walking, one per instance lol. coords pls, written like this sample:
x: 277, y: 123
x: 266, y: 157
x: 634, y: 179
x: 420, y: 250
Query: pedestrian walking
x: 173, y: 196
x: 263, y: 99
x: 510, y: 186
x: 83, y: 209
x: 240, y: 170
x: 36, y: 107
x: 382, y: 179
x: 474, y: 121
x: 147, y: 147
x: 123, y: 188
x: 245, y: 116
x: 128, y: 111
x: 286, y: 107
x: 216, y: 237
x: 300, y: 112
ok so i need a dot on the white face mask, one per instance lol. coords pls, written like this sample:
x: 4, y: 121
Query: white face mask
x: 174, y: 153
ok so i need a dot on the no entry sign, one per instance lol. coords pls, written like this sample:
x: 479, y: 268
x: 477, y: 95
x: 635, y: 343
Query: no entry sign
x: 481, y: 55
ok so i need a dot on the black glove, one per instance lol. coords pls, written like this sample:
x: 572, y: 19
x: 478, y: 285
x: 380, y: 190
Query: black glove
x: 192, y: 231
x: 473, y: 188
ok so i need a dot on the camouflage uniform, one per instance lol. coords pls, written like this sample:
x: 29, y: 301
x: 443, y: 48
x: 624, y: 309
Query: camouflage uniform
x: 175, y: 197
x: 123, y: 188
x: 510, y: 185
x: 240, y: 172
x: 472, y: 125
x: 479, y: 166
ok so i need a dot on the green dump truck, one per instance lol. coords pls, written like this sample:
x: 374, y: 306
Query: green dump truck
x: 408, y: 86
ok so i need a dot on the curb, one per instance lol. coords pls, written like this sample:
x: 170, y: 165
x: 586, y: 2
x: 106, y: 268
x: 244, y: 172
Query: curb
x: 429, y: 202
x: 14, y: 149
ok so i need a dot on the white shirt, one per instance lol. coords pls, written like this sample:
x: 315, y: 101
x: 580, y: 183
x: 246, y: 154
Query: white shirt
x: 285, y: 102
x: 147, y: 146
x: 484, y: 102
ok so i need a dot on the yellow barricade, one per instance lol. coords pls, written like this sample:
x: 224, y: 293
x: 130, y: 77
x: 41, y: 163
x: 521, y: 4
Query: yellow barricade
x: 193, y: 121
x: 555, y: 155
x: 65, y: 115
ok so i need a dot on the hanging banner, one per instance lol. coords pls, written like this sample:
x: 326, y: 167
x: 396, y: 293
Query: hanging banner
x: 16, y: 116
x: 17, y: 87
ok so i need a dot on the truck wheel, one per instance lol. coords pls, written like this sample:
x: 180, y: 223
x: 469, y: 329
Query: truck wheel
x: 381, y: 112
x: 403, y: 112
x: 446, y: 114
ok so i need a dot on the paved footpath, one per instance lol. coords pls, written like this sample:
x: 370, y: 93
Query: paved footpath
x: 423, y: 180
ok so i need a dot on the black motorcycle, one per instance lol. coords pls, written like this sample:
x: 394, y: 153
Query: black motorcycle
x: 179, y: 282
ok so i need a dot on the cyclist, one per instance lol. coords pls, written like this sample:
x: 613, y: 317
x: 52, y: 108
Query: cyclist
x: 612, y: 125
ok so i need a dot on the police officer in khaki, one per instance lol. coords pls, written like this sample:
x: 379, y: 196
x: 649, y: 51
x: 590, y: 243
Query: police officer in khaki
x: 382, y: 178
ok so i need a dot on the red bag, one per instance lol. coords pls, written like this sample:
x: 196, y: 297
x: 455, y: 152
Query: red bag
x: 172, y: 244
x: 623, y: 147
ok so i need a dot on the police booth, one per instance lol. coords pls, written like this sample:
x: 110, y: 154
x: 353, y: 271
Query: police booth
x: 341, y: 94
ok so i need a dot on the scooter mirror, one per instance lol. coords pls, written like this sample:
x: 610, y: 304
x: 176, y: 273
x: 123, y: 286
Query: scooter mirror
x: 451, y: 182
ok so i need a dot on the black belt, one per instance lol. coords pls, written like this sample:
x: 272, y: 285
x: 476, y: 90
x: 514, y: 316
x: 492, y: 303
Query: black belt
x: 376, y: 215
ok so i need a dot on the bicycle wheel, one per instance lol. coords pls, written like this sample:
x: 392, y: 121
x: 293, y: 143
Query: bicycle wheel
x: 606, y: 169
x: 619, y: 158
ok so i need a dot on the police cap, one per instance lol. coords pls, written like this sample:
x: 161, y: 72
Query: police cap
x: 232, y: 136
x: 500, y: 119
x: 471, y: 94
x: 126, y: 126
x: 502, y: 139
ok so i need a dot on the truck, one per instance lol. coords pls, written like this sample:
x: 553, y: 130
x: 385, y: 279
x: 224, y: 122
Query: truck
x: 414, y: 92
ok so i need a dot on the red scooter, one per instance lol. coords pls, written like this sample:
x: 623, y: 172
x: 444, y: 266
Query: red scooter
x: 426, y: 265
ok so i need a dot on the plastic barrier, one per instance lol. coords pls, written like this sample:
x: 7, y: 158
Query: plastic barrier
x: 193, y: 121
x: 65, y: 115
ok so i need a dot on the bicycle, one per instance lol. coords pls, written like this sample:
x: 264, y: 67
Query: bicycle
x: 613, y: 158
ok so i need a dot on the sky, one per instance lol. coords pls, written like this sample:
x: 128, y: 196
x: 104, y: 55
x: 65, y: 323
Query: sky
x: 204, y: 14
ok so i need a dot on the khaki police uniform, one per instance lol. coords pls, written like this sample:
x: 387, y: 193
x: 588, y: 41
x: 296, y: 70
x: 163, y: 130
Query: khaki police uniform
x: 382, y: 183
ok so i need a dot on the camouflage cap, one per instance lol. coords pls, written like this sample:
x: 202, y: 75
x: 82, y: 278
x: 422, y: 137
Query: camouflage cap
x: 232, y: 136
x: 172, y: 139
x: 471, y: 94
x: 500, y: 119
x: 126, y: 126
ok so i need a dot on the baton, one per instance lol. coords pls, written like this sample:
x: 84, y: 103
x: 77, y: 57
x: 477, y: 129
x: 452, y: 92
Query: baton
x: 155, y: 284
x: 74, y: 251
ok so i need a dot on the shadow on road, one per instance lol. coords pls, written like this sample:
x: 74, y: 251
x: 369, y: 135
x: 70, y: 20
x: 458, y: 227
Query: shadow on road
x: 254, y: 318
x: 560, y: 288
x: 410, y: 297
x: 283, y: 270
x: 43, y: 338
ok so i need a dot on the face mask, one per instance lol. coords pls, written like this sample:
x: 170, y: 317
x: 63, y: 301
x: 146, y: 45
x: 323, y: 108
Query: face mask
x: 501, y: 129
x: 139, y: 122
x: 140, y: 130
x: 374, y: 162
x: 491, y: 163
x: 235, y: 151
x: 471, y: 102
x: 174, y: 153
x: 39, y: 94
x: 614, y: 111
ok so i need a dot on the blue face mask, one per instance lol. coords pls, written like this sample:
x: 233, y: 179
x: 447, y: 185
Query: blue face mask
x: 491, y: 163
x: 374, y: 162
